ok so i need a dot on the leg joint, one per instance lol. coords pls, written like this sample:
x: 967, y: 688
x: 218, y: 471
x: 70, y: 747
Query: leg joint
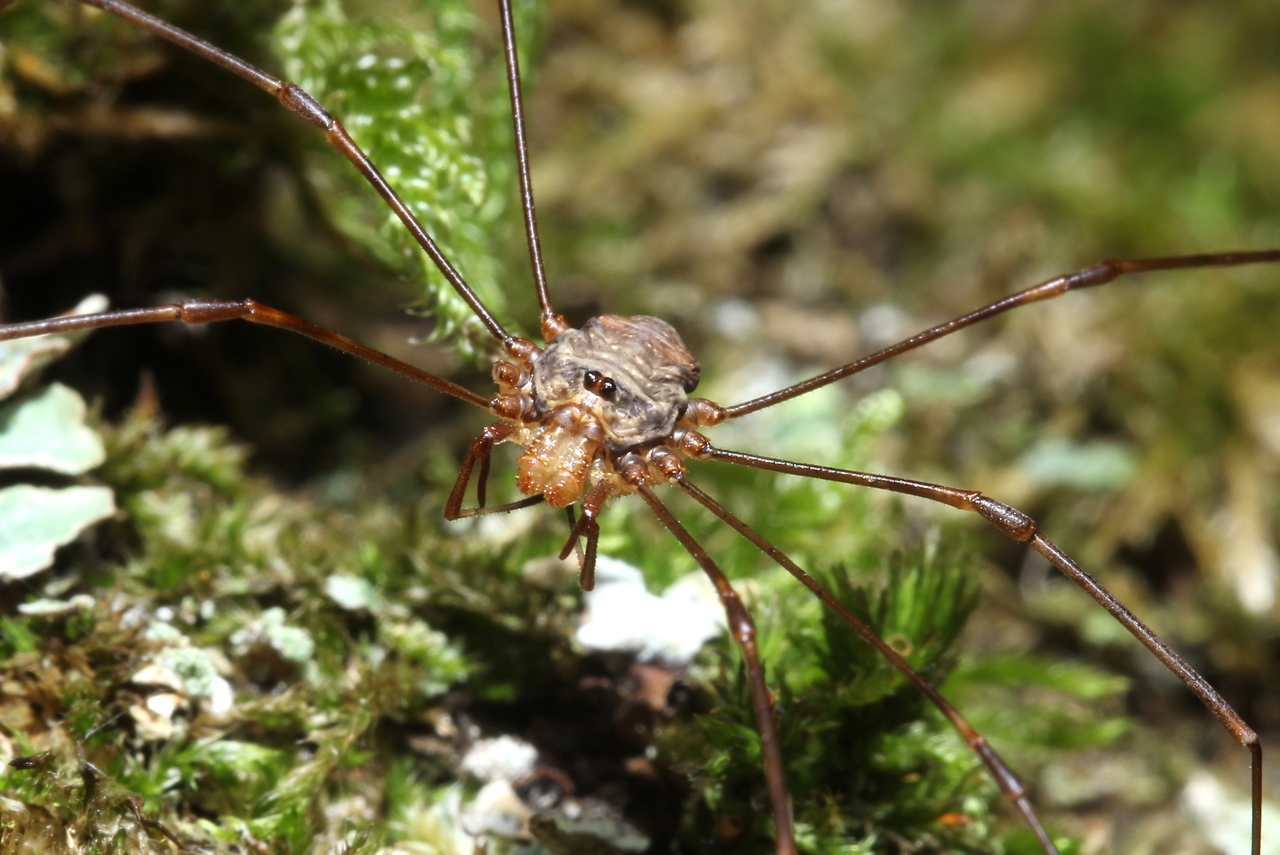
x: 1009, y: 520
x: 1099, y: 274
x: 491, y: 436
x: 1008, y: 782
x: 741, y: 627
x: 210, y: 311
x: 298, y: 101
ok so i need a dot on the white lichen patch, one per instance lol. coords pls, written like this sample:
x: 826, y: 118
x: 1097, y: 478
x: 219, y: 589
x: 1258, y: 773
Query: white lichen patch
x: 504, y: 758
x: 291, y: 642
x: 351, y: 592
x: 1224, y: 816
x: 623, y: 616
x: 496, y: 810
x: 52, y: 608
x: 191, y: 674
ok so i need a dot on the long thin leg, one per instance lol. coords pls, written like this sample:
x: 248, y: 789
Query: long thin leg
x: 212, y: 311
x: 591, y: 507
x: 587, y: 571
x: 552, y: 324
x: 1008, y: 782
x: 479, y: 451
x: 1022, y: 528
x: 1089, y: 277
x: 577, y: 547
x: 298, y: 101
x: 587, y: 557
x: 743, y: 631
x: 505, y: 508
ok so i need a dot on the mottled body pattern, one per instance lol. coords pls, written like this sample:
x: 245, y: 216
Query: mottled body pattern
x: 613, y: 390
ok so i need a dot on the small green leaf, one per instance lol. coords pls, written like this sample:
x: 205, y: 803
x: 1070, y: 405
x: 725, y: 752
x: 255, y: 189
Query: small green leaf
x: 1078, y: 680
x: 351, y: 592
x: 48, y: 432
x: 1100, y: 465
x: 35, y: 521
x: 23, y: 356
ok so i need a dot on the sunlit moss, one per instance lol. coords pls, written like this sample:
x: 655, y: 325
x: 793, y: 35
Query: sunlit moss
x: 427, y: 107
x: 818, y: 159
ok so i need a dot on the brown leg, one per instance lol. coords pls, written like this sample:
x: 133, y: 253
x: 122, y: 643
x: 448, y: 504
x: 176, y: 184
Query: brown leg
x: 1020, y: 527
x: 482, y: 480
x: 1090, y: 277
x: 591, y: 507
x: 299, y: 102
x: 587, y: 573
x: 743, y: 631
x: 212, y: 311
x: 552, y: 324
x: 1008, y: 782
x: 479, y: 451
x: 577, y: 547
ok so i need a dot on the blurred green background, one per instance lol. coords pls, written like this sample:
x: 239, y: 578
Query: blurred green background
x: 790, y: 184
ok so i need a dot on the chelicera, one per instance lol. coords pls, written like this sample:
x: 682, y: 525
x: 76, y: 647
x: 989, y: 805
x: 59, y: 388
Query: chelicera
x: 605, y: 411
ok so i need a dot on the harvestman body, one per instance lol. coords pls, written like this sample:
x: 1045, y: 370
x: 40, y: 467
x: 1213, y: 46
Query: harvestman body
x: 604, y: 411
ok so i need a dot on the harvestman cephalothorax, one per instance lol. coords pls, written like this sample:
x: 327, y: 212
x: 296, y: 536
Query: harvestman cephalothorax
x: 604, y: 411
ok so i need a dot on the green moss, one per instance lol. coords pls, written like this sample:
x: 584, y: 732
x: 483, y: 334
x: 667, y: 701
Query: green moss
x: 802, y: 159
x: 427, y: 107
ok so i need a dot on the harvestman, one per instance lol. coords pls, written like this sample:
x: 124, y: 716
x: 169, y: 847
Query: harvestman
x: 604, y: 411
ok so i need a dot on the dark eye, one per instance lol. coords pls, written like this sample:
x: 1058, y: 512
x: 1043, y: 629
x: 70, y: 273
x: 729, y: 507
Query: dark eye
x: 594, y: 381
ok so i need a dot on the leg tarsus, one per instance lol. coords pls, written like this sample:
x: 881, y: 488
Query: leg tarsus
x: 743, y: 631
x: 1088, y: 277
x: 1021, y: 527
x: 1255, y: 750
x: 1012, y: 788
x: 1199, y: 686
